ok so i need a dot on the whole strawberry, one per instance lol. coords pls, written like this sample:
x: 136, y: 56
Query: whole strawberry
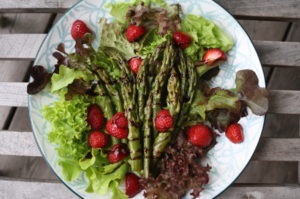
x: 79, y: 29
x: 117, y: 126
x: 134, y: 32
x: 181, y: 39
x: 163, y: 121
x: 97, y: 139
x: 135, y: 63
x: 132, y: 185
x: 214, y: 56
x: 199, y: 135
x: 235, y: 133
x: 118, y: 153
x: 95, y: 117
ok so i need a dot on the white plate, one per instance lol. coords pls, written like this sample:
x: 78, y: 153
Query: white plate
x: 227, y: 160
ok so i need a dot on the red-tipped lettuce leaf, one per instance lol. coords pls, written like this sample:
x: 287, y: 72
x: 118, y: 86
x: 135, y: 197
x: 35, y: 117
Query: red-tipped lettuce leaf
x: 40, y: 79
x: 254, y: 96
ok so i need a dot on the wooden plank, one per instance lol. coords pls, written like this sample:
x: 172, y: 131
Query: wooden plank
x: 271, y: 53
x: 34, y: 190
x: 278, y: 149
x: 262, y: 192
x: 278, y: 53
x: 13, y: 94
x: 269, y: 149
x: 20, y: 46
x: 259, y: 9
x: 263, y: 9
x: 284, y: 102
x: 269, y: 172
x: 16, y: 71
x: 25, y: 167
x: 18, y: 143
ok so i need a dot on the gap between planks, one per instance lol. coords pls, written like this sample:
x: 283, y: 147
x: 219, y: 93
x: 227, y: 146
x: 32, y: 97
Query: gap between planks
x: 25, y: 47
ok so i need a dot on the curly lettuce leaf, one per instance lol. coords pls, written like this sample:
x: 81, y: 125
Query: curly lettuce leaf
x: 70, y: 169
x: 151, y: 40
x: 99, y: 182
x: 65, y: 77
x: 112, y: 35
x: 117, y: 193
x: 68, y: 125
x: 254, y: 96
x: 205, y: 34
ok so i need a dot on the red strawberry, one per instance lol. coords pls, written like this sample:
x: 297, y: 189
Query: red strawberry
x: 132, y: 185
x: 118, y: 153
x: 214, y: 56
x: 134, y: 32
x: 200, y: 135
x: 95, y: 117
x: 181, y: 39
x: 135, y: 63
x: 97, y: 139
x: 120, y: 120
x: 235, y: 133
x: 163, y: 121
x: 117, y: 126
x: 79, y: 29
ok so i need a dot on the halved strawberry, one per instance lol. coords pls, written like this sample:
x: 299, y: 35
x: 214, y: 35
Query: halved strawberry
x: 132, y: 185
x: 235, y: 133
x: 118, y: 153
x: 135, y: 63
x: 214, y: 56
x: 200, y: 135
x: 79, y: 29
x: 163, y: 121
x: 95, y: 117
x: 97, y: 139
x: 134, y: 32
x: 181, y: 39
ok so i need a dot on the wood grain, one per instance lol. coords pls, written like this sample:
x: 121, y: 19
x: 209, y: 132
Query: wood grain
x: 18, y: 144
x: 258, y: 9
x: 263, y: 9
x: 34, y: 190
x: 260, y: 191
x: 284, y: 102
x: 25, y: 47
x: 13, y: 94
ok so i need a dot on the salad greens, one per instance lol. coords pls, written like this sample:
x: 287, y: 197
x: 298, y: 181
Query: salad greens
x: 170, y: 77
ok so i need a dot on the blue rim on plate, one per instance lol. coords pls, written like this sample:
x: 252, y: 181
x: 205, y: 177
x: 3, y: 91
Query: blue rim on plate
x: 174, y: 1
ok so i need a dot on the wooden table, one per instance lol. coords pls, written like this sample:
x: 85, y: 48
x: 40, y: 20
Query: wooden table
x: 279, y: 58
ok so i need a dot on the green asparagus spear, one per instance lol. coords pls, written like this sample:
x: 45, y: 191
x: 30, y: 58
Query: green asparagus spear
x: 105, y: 104
x: 153, y: 104
x: 173, y: 102
x: 141, y: 86
x: 111, y: 88
x: 131, y: 111
x: 160, y: 80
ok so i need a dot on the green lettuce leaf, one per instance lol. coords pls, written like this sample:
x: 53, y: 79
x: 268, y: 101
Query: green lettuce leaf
x: 151, y: 40
x: 70, y: 169
x: 116, y: 192
x: 111, y: 167
x: 65, y: 77
x: 99, y: 182
x: 112, y: 35
x: 205, y: 34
